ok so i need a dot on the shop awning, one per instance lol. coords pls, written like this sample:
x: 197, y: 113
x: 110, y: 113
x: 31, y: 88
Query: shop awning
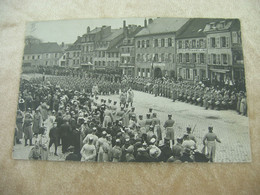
x: 223, y: 71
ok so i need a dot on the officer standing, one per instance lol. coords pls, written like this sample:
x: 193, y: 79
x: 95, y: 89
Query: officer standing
x: 168, y: 125
x: 210, y: 141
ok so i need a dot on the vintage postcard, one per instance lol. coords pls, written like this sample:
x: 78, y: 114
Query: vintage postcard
x: 133, y: 90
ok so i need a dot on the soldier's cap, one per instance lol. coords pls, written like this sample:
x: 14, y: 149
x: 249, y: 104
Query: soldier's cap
x: 91, y: 138
x: 94, y: 128
x: 71, y: 148
x: 127, y: 139
x: 144, y: 144
x: 210, y: 127
x: 141, y: 150
x: 150, y: 109
x: 108, y: 135
x: 140, y: 115
x: 169, y: 115
x: 118, y: 140
x: 109, y: 100
x: 148, y: 115
x: 179, y: 138
x: 115, y: 102
x: 188, y: 128
x: 133, y: 108
x: 154, y: 114
x: 185, y: 134
x: 153, y: 140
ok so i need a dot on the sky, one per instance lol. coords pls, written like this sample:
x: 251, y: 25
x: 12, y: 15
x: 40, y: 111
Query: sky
x: 67, y: 31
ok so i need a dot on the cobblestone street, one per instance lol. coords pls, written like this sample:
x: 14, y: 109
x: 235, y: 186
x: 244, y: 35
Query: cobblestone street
x: 231, y: 128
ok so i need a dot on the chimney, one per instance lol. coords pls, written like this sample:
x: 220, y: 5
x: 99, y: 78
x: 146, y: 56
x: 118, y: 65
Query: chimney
x: 150, y: 21
x: 88, y: 29
x: 145, y: 23
x: 62, y: 44
x: 125, y: 31
x: 124, y: 24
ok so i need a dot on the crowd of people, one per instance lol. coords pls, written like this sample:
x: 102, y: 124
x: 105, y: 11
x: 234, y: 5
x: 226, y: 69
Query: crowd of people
x: 88, y: 128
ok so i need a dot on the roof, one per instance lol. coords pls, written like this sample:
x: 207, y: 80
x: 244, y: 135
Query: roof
x: 163, y: 25
x: 74, y: 46
x: 230, y: 25
x: 95, y: 30
x: 50, y: 47
x: 114, y: 33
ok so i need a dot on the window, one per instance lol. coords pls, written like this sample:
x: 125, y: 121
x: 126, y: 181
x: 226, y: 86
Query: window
x: 147, y: 43
x: 128, y: 50
x: 112, y: 63
x: 180, y: 57
x: 103, y: 54
x: 193, y: 43
x: 162, y: 43
x: 187, y: 57
x: 138, y: 57
x: 95, y: 63
x: 202, y: 58
x: 143, y: 43
x: 180, y: 44
x: 47, y: 55
x: 99, y: 63
x: 56, y: 55
x: 213, y: 42
x: 223, y: 42
x: 224, y: 59
x: 77, y: 61
x: 138, y: 44
x: 162, y: 57
x: 108, y: 63
x: 156, y: 57
x: 28, y: 57
x: 173, y: 58
x: 214, y: 59
x: 74, y: 61
x: 169, y: 42
x: 33, y: 57
x: 46, y: 63
x: 156, y: 43
x: 104, y: 63
x: 194, y: 59
x: 187, y: 44
x: 40, y: 57
x: 201, y: 43
x: 218, y: 59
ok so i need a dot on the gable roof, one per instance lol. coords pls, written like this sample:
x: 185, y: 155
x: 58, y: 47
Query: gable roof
x: 114, y: 33
x: 40, y: 48
x: 194, y: 28
x: 163, y: 25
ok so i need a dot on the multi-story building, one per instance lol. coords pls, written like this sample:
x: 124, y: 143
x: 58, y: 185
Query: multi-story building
x: 73, y: 54
x: 106, y: 51
x: 192, y: 50
x: 225, y: 57
x: 42, y: 54
x: 127, y: 50
x: 155, y: 48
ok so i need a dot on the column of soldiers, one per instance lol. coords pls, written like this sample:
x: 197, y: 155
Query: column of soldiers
x: 89, y: 129
x: 197, y: 94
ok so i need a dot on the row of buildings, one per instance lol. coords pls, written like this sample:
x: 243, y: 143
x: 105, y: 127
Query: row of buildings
x: 193, y: 49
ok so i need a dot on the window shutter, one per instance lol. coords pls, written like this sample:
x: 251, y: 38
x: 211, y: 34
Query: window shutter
x: 209, y: 46
x: 198, y: 44
x: 166, y: 57
x: 209, y: 59
x: 178, y: 55
x: 177, y: 44
x: 183, y: 44
x: 173, y: 56
x: 228, y: 59
x: 166, y: 42
x: 227, y: 40
x: 190, y: 56
x: 159, y: 56
x: 190, y: 44
x: 153, y: 42
x: 173, y: 42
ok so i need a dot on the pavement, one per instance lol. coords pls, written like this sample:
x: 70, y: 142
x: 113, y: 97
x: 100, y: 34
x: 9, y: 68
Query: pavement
x: 232, y: 129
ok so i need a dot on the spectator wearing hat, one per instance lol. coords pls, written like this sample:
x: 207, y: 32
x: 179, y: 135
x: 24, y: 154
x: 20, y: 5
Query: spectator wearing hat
x: 102, y: 140
x: 168, y: 125
x: 27, y: 127
x: 130, y: 154
x: 54, y: 137
x: 88, y: 152
x: 116, y: 151
x: 65, y: 131
x: 150, y: 134
x: 157, y: 126
x: 148, y: 122
x: 166, y: 150
x: 210, y: 141
x: 191, y: 136
x: 19, y: 125
x: 37, y: 122
x: 178, y: 149
x: 187, y: 142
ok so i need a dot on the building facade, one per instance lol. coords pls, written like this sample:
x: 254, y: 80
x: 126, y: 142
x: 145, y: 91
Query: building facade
x: 127, y: 50
x: 155, y: 48
x: 192, y: 50
x: 73, y: 54
x: 42, y: 54
x: 225, y: 56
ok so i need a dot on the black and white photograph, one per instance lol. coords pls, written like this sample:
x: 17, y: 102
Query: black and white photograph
x: 152, y: 89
